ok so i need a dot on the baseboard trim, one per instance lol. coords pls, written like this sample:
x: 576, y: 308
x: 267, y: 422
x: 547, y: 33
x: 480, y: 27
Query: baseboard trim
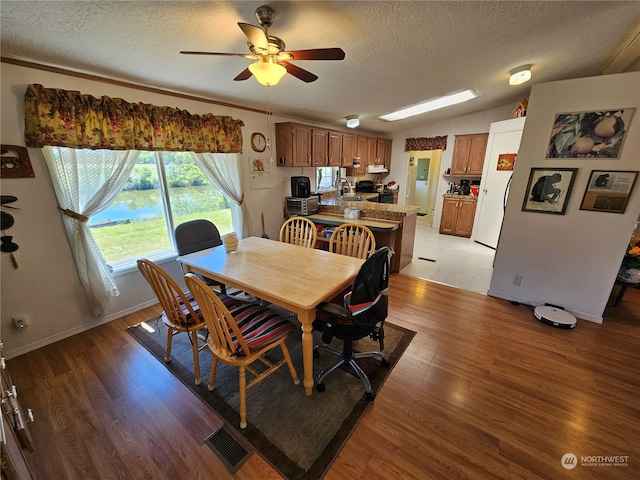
x: 9, y: 354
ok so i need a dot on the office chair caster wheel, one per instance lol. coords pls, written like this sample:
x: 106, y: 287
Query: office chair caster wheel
x: 320, y: 387
x: 371, y: 396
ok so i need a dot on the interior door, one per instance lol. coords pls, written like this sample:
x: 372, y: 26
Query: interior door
x: 504, y: 137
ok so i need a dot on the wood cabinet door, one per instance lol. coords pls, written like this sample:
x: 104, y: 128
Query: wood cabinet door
x: 386, y: 158
x: 461, y: 151
x: 301, y: 146
x: 476, y: 154
x: 319, y: 147
x: 362, y: 152
x: 335, y: 149
x: 348, y: 149
x: 466, y: 214
x: 372, y: 148
x: 449, y: 216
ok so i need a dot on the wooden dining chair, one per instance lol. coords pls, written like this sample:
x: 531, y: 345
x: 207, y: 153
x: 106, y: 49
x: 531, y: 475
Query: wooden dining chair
x: 353, y: 240
x: 299, y: 231
x: 241, y: 336
x: 181, y: 312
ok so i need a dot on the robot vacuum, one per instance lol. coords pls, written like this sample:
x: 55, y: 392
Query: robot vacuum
x: 555, y: 317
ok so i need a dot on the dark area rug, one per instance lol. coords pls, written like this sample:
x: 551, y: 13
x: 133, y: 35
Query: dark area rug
x: 299, y: 436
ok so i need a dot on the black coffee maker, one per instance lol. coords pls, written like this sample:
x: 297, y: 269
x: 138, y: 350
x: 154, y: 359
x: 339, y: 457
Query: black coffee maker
x: 465, y: 187
x: 300, y: 187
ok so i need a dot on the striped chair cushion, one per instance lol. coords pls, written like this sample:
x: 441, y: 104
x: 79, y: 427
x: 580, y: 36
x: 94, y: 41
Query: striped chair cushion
x: 229, y: 302
x: 259, y: 326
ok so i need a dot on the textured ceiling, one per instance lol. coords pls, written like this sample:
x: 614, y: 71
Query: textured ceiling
x: 397, y: 53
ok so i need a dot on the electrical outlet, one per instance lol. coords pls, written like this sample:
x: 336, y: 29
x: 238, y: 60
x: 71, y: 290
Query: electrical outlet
x: 19, y: 323
x: 517, y: 280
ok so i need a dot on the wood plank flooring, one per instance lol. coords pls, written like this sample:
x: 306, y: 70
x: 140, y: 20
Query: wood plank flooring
x: 483, y: 391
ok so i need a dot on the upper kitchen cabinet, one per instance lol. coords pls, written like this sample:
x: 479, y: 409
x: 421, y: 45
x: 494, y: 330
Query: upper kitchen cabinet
x: 383, y: 152
x: 319, y: 147
x: 293, y: 145
x: 348, y: 149
x: 468, y: 154
x: 335, y: 147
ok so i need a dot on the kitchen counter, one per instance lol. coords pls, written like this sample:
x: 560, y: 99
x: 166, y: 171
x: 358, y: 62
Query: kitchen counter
x: 337, y: 206
x: 456, y: 195
x: 375, y: 225
x: 400, y: 218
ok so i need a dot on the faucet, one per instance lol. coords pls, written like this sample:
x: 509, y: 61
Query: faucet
x: 337, y: 185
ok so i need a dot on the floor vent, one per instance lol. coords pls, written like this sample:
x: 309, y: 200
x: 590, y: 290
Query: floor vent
x: 427, y: 259
x: 228, y: 447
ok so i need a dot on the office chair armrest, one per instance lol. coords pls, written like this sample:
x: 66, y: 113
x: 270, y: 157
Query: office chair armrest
x: 335, y: 310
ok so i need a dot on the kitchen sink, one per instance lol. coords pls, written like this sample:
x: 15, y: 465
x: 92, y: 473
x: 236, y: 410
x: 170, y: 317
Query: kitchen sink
x: 351, y: 198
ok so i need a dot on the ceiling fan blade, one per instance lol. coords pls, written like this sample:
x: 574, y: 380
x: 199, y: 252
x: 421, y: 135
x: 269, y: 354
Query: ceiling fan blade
x: 245, y: 55
x: 256, y: 36
x: 300, y: 73
x: 316, y: 54
x: 243, y: 75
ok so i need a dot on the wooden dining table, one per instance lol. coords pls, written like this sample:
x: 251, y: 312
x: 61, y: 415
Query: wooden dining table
x: 293, y: 277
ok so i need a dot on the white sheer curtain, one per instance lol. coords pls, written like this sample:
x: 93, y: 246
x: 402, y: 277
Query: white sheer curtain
x: 223, y: 170
x: 86, y: 182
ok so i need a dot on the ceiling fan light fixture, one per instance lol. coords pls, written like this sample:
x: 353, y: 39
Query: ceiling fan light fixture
x: 430, y: 105
x: 353, y: 121
x: 267, y: 73
x: 520, y: 75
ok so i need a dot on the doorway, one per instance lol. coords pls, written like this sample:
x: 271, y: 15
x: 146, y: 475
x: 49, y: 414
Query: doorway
x: 422, y: 181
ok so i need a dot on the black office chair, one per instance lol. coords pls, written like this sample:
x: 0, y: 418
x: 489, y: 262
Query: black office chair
x: 361, y: 314
x: 197, y: 235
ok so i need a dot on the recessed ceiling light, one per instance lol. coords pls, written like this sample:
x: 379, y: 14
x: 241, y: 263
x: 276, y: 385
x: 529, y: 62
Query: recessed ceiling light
x: 520, y: 75
x: 433, y: 104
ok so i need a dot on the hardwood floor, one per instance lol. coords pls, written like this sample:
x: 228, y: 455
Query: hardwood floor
x: 483, y: 391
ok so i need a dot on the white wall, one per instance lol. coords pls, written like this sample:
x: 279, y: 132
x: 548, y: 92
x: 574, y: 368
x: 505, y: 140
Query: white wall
x: 45, y: 289
x: 569, y: 260
x: 472, y: 123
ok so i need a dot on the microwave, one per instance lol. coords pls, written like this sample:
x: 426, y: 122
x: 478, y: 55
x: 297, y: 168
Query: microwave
x: 302, y: 206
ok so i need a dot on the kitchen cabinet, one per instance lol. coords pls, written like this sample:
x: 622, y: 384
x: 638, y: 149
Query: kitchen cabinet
x: 319, y: 147
x: 299, y: 145
x: 383, y: 152
x: 335, y: 146
x: 293, y: 145
x: 362, y: 151
x: 457, y: 216
x: 348, y: 149
x: 468, y: 154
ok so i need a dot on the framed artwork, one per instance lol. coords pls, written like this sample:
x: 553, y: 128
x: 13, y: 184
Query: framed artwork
x: 506, y: 161
x: 608, y: 191
x: 548, y: 190
x: 589, y: 134
x: 15, y: 162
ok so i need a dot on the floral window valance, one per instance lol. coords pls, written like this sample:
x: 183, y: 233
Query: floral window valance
x: 426, y: 143
x: 65, y: 118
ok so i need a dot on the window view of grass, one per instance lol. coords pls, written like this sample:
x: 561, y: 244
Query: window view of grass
x: 136, y: 224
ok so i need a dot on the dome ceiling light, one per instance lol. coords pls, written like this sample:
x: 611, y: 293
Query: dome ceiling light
x: 520, y: 75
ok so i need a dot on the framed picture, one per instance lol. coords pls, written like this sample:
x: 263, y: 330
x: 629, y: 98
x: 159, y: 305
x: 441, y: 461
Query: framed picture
x: 608, y: 191
x: 15, y: 162
x: 589, y: 134
x: 548, y: 190
x: 506, y: 161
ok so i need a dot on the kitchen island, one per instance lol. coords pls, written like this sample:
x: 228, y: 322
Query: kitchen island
x: 392, y: 225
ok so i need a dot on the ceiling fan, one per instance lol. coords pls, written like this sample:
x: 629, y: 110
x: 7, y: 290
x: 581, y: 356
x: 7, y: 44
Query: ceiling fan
x: 271, y: 59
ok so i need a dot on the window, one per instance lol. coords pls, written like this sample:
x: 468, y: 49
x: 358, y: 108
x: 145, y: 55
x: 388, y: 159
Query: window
x: 326, y: 178
x: 165, y: 189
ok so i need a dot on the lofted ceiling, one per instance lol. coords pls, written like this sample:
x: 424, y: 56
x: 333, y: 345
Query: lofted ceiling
x: 397, y: 53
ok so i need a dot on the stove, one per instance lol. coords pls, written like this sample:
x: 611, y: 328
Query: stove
x: 366, y: 186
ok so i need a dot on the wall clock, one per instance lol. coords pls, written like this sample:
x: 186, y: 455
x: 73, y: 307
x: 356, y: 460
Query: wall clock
x: 258, y: 142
